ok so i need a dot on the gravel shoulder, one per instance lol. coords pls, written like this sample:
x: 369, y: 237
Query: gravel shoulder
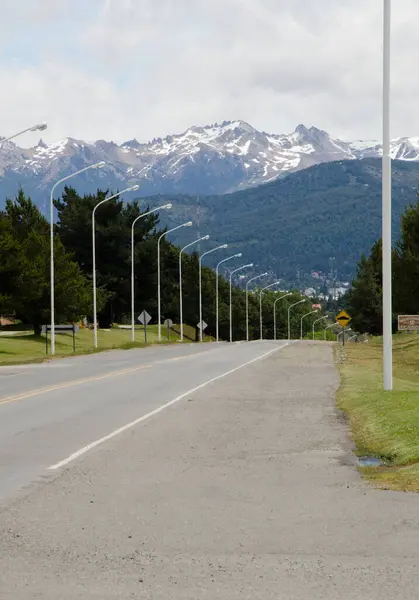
x: 246, y: 489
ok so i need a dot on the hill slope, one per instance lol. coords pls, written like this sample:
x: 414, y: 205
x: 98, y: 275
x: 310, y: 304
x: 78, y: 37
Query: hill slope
x: 300, y: 221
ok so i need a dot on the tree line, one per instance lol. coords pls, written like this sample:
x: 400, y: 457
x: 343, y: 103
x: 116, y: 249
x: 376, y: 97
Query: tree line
x: 25, y: 270
x: 364, y: 300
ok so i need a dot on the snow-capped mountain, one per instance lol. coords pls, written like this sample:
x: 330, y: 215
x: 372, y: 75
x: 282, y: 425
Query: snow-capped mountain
x: 215, y: 159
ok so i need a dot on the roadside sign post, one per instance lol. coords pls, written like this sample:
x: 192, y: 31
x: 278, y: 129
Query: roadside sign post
x: 169, y: 325
x: 58, y: 329
x: 144, y: 318
x: 343, y: 319
x: 408, y: 322
x: 202, y: 326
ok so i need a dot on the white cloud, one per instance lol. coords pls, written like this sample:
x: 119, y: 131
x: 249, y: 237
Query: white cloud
x: 149, y: 68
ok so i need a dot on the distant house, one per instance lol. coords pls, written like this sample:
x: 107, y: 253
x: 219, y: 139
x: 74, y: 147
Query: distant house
x: 6, y: 321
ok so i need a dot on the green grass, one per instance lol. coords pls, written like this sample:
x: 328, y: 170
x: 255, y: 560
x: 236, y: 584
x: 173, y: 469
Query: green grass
x: 25, y: 347
x: 384, y: 424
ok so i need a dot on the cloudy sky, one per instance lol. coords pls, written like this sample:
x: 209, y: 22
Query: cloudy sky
x: 118, y: 69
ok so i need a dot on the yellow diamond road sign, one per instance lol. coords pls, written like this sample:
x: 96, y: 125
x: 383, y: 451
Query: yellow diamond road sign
x: 343, y: 318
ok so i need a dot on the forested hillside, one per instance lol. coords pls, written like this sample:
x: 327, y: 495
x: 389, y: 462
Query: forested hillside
x: 300, y: 221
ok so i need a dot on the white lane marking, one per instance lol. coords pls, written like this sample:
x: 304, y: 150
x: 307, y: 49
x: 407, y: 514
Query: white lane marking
x: 156, y: 411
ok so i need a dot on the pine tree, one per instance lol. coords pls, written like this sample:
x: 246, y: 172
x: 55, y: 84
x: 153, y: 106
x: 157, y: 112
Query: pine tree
x: 364, y: 300
x: 27, y: 245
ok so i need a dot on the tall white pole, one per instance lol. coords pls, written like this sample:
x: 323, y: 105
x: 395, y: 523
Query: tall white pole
x: 216, y: 305
x: 158, y: 291
x: 318, y: 321
x: 239, y: 255
x: 201, y: 239
x: 187, y: 224
x: 98, y: 165
x: 247, y: 301
x: 200, y: 298
x: 275, y: 303
x: 260, y: 306
x: 180, y: 297
x: 201, y: 332
x: 302, y: 319
x: 164, y: 207
x: 231, y: 295
x: 132, y: 286
x: 133, y: 188
x: 386, y: 235
x: 231, y: 314
x: 94, y: 280
x: 289, y: 316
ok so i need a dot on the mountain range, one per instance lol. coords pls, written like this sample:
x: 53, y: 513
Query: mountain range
x: 215, y: 159
x: 288, y: 202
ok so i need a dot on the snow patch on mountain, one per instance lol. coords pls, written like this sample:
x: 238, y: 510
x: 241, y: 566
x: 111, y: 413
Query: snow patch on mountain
x: 217, y: 158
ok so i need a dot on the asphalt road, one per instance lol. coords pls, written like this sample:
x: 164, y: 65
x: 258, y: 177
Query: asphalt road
x: 244, y: 488
x: 49, y: 411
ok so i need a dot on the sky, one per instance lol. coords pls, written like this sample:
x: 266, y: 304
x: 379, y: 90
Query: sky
x: 119, y: 69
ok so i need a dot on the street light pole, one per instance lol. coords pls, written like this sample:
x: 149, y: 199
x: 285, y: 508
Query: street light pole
x: 201, y: 239
x: 260, y: 306
x: 302, y: 319
x: 133, y: 188
x: 223, y: 247
x: 386, y: 201
x: 277, y: 300
x: 239, y: 255
x: 164, y: 207
x: 250, y: 265
x: 329, y: 327
x: 40, y: 127
x: 247, y: 301
x: 98, y: 165
x: 318, y: 320
x: 289, y: 312
x: 187, y: 224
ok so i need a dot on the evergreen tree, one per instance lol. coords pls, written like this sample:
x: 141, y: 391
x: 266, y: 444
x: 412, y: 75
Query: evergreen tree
x: 406, y: 264
x: 26, y: 287
x: 364, y: 300
x: 10, y: 265
x: 113, y: 223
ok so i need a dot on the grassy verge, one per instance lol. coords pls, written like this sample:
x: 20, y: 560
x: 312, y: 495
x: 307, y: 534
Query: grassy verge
x: 384, y: 425
x: 25, y: 347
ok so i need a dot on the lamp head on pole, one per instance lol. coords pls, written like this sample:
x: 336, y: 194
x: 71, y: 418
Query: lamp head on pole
x: 40, y: 127
x: 224, y: 246
x: 188, y: 224
x: 206, y: 237
x: 100, y: 165
x: 167, y: 207
x: 239, y: 255
x: 134, y: 188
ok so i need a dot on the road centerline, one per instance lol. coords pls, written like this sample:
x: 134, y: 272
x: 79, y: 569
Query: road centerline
x: 68, y: 384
